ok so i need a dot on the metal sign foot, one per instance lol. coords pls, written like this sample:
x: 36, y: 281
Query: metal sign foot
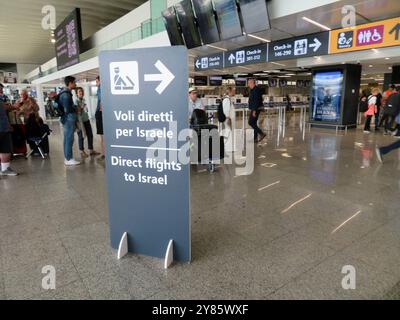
x: 169, y: 255
x: 123, y: 246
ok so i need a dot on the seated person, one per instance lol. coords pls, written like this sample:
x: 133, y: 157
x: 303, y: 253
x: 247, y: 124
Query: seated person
x: 36, y: 128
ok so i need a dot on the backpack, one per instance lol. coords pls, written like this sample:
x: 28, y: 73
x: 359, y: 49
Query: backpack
x: 363, y: 107
x: 220, y: 113
x: 392, y: 105
x: 58, y: 107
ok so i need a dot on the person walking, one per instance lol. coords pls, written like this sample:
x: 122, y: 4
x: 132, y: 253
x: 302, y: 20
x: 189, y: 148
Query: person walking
x: 381, y: 151
x: 378, y: 110
x: 85, y: 128
x: 372, y: 110
x: 255, y: 105
x: 6, y: 149
x: 68, y: 119
x: 387, y: 114
x: 99, y: 119
x: 391, y: 110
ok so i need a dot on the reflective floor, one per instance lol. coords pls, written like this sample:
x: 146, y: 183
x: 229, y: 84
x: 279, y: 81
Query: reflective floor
x: 311, y: 207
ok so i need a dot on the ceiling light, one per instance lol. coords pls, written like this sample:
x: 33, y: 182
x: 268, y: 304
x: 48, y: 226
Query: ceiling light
x: 317, y: 24
x: 375, y: 50
x: 53, y: 40
x: 370, y: 65
x: 215, y: 47
x: 390, y: 68
x: 278, y: 64
x: 258, y: 38
x: 387, y: 58
x: 284, y: 76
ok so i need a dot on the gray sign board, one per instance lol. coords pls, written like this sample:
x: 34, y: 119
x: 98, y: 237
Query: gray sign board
x: 299, y: 47
x: 144, y: 101
x: 246, y: 56
x: 212, y: 61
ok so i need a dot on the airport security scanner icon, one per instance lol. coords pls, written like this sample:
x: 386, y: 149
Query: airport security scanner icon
x: 124, y: 77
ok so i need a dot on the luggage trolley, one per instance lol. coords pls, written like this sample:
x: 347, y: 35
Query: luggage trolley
x: 206, y: 151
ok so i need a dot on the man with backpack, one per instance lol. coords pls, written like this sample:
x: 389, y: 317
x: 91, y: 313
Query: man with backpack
x: 68, y: 119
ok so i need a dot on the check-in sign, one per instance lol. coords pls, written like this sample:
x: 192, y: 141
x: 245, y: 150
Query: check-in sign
x: 213, y: 61
x: 245, y: 56
x: 379, y: 34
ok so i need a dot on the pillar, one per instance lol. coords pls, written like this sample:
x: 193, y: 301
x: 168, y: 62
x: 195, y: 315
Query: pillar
x: 40, y: 101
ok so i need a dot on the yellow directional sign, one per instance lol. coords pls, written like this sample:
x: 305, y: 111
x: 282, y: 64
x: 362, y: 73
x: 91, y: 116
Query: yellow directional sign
x: 379, y: 34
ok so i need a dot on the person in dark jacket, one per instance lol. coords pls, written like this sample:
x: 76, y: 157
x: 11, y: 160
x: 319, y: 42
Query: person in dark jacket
x: 255, y: 105
x: 6, y: 147
x: 68, y: 119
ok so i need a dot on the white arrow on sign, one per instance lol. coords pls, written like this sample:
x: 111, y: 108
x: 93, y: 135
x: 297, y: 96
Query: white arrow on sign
x: 316, y: 45
x: 231, y: 58
x: 165, y: 77
x: 198, y: 64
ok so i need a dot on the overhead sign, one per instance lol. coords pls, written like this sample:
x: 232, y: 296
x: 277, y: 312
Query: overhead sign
x: 299, y: 47
x: 379, y: 34
x: 68, y: 36
x: 144, y: 94
x: 213, y: 61
x: 249, y: 55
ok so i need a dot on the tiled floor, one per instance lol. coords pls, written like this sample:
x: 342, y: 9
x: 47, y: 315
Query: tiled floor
x: 334, y: 205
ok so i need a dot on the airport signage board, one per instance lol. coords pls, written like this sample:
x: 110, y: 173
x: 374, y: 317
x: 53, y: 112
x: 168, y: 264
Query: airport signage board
x: 379, y: 34
x: 68, y: 37
x: 246, y: 56
x: 299, y: 47
x: 212, y: 61
x: 144, y: 94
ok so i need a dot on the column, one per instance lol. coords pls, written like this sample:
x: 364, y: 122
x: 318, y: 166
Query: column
x: 40, y: 101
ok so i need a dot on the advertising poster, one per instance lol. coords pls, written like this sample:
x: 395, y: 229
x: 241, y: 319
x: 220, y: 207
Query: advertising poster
x: 327, y: 95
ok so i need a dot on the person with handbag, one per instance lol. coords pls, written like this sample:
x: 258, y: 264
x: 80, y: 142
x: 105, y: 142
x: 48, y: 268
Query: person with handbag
x: 230, y: 122
x: 372, y: 110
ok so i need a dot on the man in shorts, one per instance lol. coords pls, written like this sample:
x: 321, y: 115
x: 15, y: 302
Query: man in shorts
x: 6, y: 148
x: 99, y: 118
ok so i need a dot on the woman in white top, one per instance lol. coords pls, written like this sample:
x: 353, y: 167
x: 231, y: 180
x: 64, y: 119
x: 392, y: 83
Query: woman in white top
x: 230, y: 122
x: 372, y: 109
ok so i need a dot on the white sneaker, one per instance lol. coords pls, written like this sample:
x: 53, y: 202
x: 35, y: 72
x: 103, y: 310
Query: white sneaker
x: 71, y: 162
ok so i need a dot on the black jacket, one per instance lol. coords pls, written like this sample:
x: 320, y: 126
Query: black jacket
x: 393, y: 105
x: 255, y: 99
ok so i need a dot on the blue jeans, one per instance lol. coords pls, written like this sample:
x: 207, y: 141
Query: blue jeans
x: 69, y: 129
x: 395, y: 145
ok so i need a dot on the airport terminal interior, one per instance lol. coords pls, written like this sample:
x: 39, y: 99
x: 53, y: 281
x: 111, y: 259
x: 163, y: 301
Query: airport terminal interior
x: 292, y: 214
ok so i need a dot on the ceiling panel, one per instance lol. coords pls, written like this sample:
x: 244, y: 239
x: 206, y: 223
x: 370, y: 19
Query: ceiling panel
x: 22, y: 39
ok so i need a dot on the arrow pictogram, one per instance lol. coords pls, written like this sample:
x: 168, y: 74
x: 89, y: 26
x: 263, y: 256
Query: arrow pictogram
x: 396, y: 29
x: 231, y: 58
x: 165, y: 77
x: 198, y: 64
x: 316, y: 45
